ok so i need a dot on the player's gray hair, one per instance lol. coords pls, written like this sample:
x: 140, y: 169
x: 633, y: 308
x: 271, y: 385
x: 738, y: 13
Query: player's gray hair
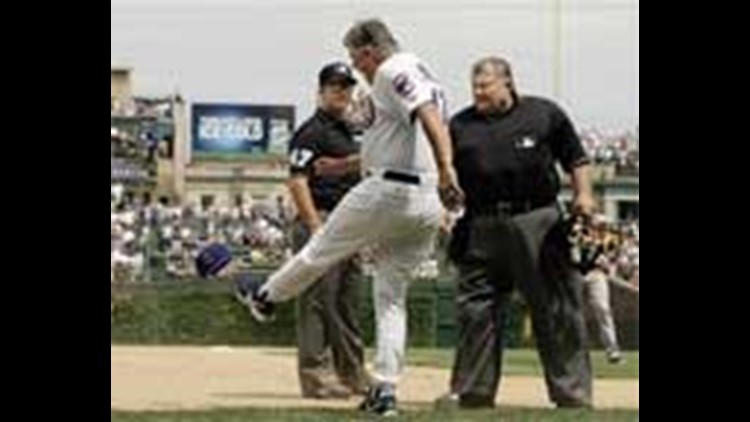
x: 498, y: 65
x: 371, y: 32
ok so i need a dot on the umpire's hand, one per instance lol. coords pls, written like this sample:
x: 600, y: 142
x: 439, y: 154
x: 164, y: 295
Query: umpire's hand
x: 584, y: 204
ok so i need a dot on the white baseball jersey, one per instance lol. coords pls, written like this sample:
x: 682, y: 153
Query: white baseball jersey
x: 397, y: 222
x: 402, y: 84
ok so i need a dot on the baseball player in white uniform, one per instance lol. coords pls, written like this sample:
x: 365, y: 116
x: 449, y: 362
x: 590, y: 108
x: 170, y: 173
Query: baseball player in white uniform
x: 395, y: 211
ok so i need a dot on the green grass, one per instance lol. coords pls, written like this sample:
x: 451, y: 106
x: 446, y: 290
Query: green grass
x: 289, y: 415
x: 521, y: 362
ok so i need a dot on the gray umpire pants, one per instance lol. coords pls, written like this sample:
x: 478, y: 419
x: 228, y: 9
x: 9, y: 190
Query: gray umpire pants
x: 328, y: 332
x: 528, y: 251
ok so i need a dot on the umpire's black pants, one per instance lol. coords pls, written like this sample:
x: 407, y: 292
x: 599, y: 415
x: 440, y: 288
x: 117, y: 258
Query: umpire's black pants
x: 528, y: 251
x: 328, y: 331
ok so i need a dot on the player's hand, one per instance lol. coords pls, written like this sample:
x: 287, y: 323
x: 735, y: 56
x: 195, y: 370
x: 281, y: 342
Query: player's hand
x: 330, y: 166
x: 451, y: 194
x: 584, y: 204
x: 447, y: 222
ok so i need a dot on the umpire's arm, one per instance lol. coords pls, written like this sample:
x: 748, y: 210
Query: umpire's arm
x: 568, y: 149
x: 303, y: 200
x: 302, y: 154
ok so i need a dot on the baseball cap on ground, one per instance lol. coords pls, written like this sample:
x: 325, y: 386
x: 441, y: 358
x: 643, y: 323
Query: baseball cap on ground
x: 212, y: 259
x: 336, y: 72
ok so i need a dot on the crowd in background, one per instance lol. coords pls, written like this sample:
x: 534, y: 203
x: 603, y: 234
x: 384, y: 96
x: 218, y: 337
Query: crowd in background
x: 619, y: 149
x: 157, y: 240
x: 160, y: 238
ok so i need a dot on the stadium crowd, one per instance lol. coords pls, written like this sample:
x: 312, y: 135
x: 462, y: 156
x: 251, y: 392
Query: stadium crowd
x: 168, y: 238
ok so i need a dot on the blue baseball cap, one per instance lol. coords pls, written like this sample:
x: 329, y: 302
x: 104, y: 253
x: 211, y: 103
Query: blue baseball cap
x: 212, y: 259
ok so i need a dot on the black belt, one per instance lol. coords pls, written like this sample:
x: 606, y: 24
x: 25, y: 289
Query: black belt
x: 510, y: 208
x: 396, y: 176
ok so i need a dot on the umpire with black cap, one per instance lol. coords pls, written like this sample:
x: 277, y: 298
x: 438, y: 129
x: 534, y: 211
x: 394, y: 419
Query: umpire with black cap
x: 327, y: 322
x: 512, y: 235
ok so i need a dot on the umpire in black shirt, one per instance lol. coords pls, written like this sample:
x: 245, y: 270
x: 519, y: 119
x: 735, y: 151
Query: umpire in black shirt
x: 511, y: 235
x: 327, y: 327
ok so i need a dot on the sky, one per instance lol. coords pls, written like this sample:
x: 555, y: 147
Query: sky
x: 582, y: 53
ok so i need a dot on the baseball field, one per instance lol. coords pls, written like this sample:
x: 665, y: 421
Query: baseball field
x: 205, y: 384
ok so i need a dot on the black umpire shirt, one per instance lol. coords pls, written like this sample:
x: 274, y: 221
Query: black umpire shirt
x: 323, y: 136
x: 511, y: 156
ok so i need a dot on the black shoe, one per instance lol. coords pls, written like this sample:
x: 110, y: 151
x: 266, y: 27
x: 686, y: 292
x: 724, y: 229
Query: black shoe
x: 574, y: 404
x: 380, y: 401
x: 448, y: 401
x: 247, y: 291
x: 359, y: 387
x: 476, y: 401
x: 615, y: 357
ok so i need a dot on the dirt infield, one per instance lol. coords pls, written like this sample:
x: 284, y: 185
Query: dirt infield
x: 181, y: 378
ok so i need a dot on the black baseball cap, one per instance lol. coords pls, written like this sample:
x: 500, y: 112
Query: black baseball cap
x: 336, y: 72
